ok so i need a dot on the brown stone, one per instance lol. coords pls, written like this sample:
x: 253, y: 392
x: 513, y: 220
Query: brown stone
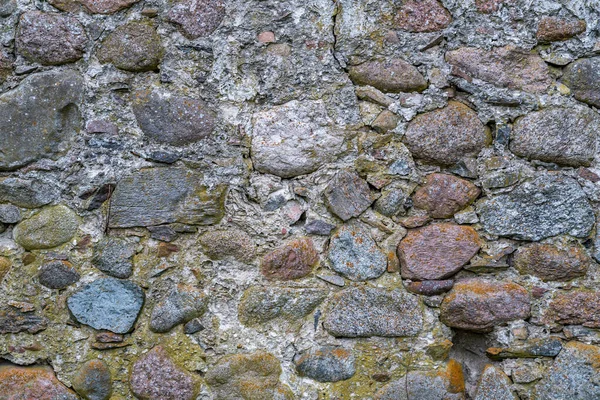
x: 348, y: 195
x: 508, y: 67
x: 393, y: 76
x: 197, y: 18
x: 5, y: 265
x: 437, y: 251
x: 447, y: 135
x: 577, y: 307
x: 134, y: 47
x: 13, y: 320
x: 415, y: 221
x: 478, y: 305
x: 221, y: 244
x: 553, y: 29
x: 423, y: 16
x: 430, y: 288
x: 443, y: 195
x: 550, y: 262
x: 93, y: 381
x: 294, y: 260
x: 29, y: 383
x: 92, y: 6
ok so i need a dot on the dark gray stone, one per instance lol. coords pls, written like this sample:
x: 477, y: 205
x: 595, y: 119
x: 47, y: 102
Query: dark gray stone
x: 107, y: 303
x: 318, y: 227
x: 326, y: 364
x: 193, y: 326
x: 9, y: 214
x: 182, y: 304
x: 58, y: 275
x: 39, y: 117
x: 114, y: 257
x: 15, y: 321
x: 163, y: 233
x: 347, y: 195
x: 547, y: 206
x: 27, y: 193
x: 354, y: 254
x: 583, y: 78
x: 7, y: 7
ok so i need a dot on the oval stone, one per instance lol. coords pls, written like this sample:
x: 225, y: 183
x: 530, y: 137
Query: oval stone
x: 49, y: 228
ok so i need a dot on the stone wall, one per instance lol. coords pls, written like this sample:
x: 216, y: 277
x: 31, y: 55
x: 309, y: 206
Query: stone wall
x: 299, y: 199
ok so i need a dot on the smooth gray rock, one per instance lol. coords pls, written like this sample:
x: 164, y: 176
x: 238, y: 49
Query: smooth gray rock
x: 326, y: 364
x: 57, y: 275
x: 9, y: 214
x: 354, y: 254
x: 182, y: 304
x: 318, y: 227
x: 114, y: 257
x: 27, y: 193
x: 547, y: 206
x: 107, y: 303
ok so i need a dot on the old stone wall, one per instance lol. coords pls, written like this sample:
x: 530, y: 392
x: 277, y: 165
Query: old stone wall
x: 299, y: 199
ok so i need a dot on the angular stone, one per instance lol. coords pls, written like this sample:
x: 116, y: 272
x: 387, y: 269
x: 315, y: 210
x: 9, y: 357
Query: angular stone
x: 318, y: 227
x: 168, y: 118
x: 478, y: 305
x: 422, y: 16
x: 92, y: 6
x: 197, y: 19
x: 220, y: 244
x: 430, y: 288
x: 574, y: 374
x: 50, y: 38
x: 294, y: 139
x: 182, y: 304
x: 494, y: 384
x: 559, y: 135
x: 107, y: 303
x: 157, y: 196
x: 365, y: 311
x: 354, y: 254
x: 326, y: 364
x: 508, y: 67
x: 550, y: 262
x: 154, y: 376
x: 347, y: 195
x: 577, y: 307
x: 39, y: 383
x: 14, y: 321
x: 553, y: 29
x: 293, y: 260
x: 549, y: 205
x: 443, y: 195
x: 114, y: 257
x: 39, y: 117
x: 446, y: 135
x: 134, y: 47
x: 9, y: 214
x: 583, y: 78
x: 437, y: 251
x: 6, y: 65
x: 259, y: 305
x: 49, y: 228
x: 93, y: 381
x: 533, y: 348
x: 27, y: 193
x: 58, y: 275
x: 392, y: 76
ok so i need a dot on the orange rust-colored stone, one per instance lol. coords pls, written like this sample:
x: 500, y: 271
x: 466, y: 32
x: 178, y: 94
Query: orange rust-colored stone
x: 28, y: 383
x: 294, y: 260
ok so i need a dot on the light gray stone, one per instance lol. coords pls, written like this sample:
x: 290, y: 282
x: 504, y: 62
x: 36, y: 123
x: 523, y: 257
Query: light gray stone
x: 354, y: 254
x: 114, y: 257
x: 182, y: 304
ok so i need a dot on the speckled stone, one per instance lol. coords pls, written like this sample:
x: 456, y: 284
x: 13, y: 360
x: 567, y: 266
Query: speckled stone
x: 443, y: 195
x: 222, y: 244
x: 93, y: 381
x: 354, y: 254
x: 58, y: 275
x: 326, y: 364
x: 134, y: 47
x: 296, y: 259
x: 9, y: 214
x: 49, y: 228
x: 430, y: 288
x: 27, y: 193
x: 13, y: 320
x: 182, y: 304
x: 532, y: 348
x: 551, y: 262
x: 583, y: 78
x: 422, y: 16
x: 92, y: 6
x: 553, y: 29
x: 577, y: 307
x: 29, y: 383
x: 494, y: 384
x: 348, y: 195
x: 197, y: 19
x: 395, y: 75
x: 114, y: 257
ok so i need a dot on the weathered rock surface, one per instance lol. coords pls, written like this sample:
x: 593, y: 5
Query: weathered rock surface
x: 354, y: 254
x: 7, y: 7
x: 134, y: 47
x: 235, y: 243
x: 107, y: 303
x: 93, y: 381
x: 27, y: 193
x: 547, y: 206
x: 583, y: 78
x: 366, y: 311
x: 92, y: 6
x: 49, y: 228
x: 578, y: 307
x: 347, y: 195
x: 391, y: 76
x: 553, y: 29
x: 182, y: 304
x: 9, y: 214
x: 197, y: 19
x: 551, y: 262
x: 114, y: 257
x: 446, y: 135
x: 532, y: 348
x: 430, y: 288
x: 442, y: 195
x: 58, y: 275
x: 478, y: 305
x: 326, y: 364
x: 294, y: 260
x: 422, y: 16
x: 39, y: 383
x: 13, y: 320
x: 40, y: 117
x: 494, y: 384
x: 437, y: 251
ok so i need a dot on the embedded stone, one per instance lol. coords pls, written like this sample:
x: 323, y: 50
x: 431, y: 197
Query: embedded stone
x: 478, y: 305
x: 443, y: 195
x: 494, y: 384
x: 197, y: 19
x: 490, y: 6
x: 5, y: 265
x: 58, y: 275
x: 354, y: 254
x: 39, y: 383
x: 221, y: 244
x: 154, y: 376
x: 347, y: 195
x: 50, y: 38
x: 49, y: 228
x: 293, y: 260
x: 430, y: 288
x: 13, y: 320
x: 437, y: 251
x: 366, y: 311
x: 318, y: 227
x: 114, y: 257
x: 182, y: 304
x: 423, y: 16
x: 171, y: 119
x: 326, y: 364
x: 156, y: 196
x: 554, y: 29
x: 9, y: 214
x: 507, y: 67
x: 93, y: 381
x: 92, y: 6
x: 107, y: 303
x: 583, y: 78
x: 577, y: 307
x: 391, y: 76
x: 7, y: 7
x: 295, y: 138
x: 40, y: 117
x: 559, y: 135
x: 259, y: 305
x: 549, y: 205
x: 533, y: 348
x: 134, y: 47
x: 446, y: 135
x: 551, y: 262
x: 6, y: 65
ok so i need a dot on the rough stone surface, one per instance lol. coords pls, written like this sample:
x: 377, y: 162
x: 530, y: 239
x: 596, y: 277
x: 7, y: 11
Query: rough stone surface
x: 326, y: 364
x: 478, y: 305
x: 7, y: 7
x: 182, y: 304
x: 553, y: 29
x: 446, y: 135
x: 114, y: 257
x: 422, y: 16
x: 354, y: 254
x: 443, y: 195
x: 318, y: 227
x: 14, y: 321
x: 197, y: 19
x: 92, y: 6
x: 50, y: 38
x: 9, y: 214
x: 366, y: 311
x: 533, y: 348
x: 551, y: 262
x: 49, y: 228
x: 40, y: 117
x: 58, y: 275
x: 389, y: 76
x: 40, y: 383
x: 437, y: 251
x: 547, y: 206
x: 430, y: 288
x: 107, y: 303
x: 494, y: 384
x: 93, y: 381
x: 293, y: 260
x: 220, y: 244
x: 27, y: 193
x: 582, y: 77
x: 132, y: 47
x: 578, y: 307
x: 347, y: 195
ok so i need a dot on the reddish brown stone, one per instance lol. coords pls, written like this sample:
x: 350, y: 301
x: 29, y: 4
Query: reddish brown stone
x: 197, y: 18
x: 13, y: 320
x: 553, y: 29
x: 28, y: 383
x: 551, y: 263
x: 415, y: 221
x: 587, y: 174
x: 430, y: 288
x: 392, y: 76
x: 479, y: 305
x: 294, y: 260
x: 443, y: 195
x: 109, y: 337
x: 93, y: 381
x: 490, y: 6
x: 92, y: 6
x: 437, y: 251
x: 423, y: 16
x: 578, y: 307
